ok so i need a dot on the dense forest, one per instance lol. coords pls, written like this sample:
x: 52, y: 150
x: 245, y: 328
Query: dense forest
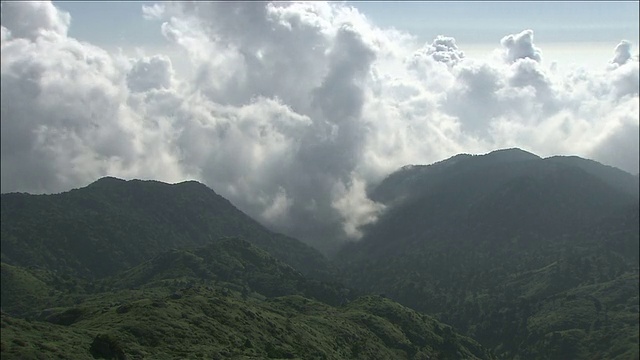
x: 534, y: 258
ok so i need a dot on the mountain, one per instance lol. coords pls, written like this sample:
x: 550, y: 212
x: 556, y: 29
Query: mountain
x: 228, y: 299
x: 206, y: 322
x: 142, y: 269
x: 414, y: 180
x: 505, y: 255
x: 112, y: 225
x: 24, y: 290
x: 233, y: 262
x: 612, y: 176
x: 511, y: 249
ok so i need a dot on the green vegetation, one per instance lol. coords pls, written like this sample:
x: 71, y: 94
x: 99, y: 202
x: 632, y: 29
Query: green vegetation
x: 505, y: 256
x: 233, y: 262
x: 214, y: 323
x: 112, y: 225
x: 231, y: 300
x: 23, y: 291
x: 135, y: 270
x: 533, y: 258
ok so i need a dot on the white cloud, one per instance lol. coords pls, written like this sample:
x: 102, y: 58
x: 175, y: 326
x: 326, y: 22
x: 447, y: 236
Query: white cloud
x: 623, y: 53
x: 291, y: 109
x: 31, y: 19
x: 520, y: 46
x: 150, y: 73
x: 443, y: 49
x: 153, y: 12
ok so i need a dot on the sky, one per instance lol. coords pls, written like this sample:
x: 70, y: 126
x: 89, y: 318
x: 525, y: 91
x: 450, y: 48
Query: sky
x: 565, y: 29
x: 291, y: 110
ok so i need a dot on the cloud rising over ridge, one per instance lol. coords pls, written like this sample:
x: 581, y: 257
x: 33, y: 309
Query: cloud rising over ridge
x: 291, y: 108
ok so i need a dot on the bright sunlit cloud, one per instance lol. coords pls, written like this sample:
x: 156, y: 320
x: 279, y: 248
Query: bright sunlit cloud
x: 291, y: 109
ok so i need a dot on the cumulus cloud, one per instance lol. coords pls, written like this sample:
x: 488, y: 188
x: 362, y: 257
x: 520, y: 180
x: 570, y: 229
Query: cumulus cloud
x: 150, y: 73
x: 520, y: 46
x: 442, y: 49
x: 31, y: 19
x: 622, y: 53
x: 291, y: 110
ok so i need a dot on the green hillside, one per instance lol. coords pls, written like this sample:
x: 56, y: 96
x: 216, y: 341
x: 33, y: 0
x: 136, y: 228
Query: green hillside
x: 234, y: 263
x: 112, y: 225
x: 209, y: 323
x: 228, y: 300
x: 500, y: 256
x: 506, y: 247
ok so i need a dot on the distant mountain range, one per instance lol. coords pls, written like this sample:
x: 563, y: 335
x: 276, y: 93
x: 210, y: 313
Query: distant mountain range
x: 527, y: 258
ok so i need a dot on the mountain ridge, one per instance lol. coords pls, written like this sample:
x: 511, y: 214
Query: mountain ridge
x: 139, y: 218
x: 532, y: 257
x: 455, y: 235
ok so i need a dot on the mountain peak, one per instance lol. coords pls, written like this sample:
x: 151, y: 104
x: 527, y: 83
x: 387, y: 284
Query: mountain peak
x: 140, y: 218
x: 112, y: 181
x: 512, y: 154
x: 192, y: 184
x: 107, y: 180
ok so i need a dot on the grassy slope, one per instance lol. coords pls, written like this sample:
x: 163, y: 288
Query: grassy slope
x: 214, y: 323
x: 215, y: 303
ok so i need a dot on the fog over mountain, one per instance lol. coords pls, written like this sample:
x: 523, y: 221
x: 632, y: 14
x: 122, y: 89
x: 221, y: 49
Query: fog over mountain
x: 292, y: 108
